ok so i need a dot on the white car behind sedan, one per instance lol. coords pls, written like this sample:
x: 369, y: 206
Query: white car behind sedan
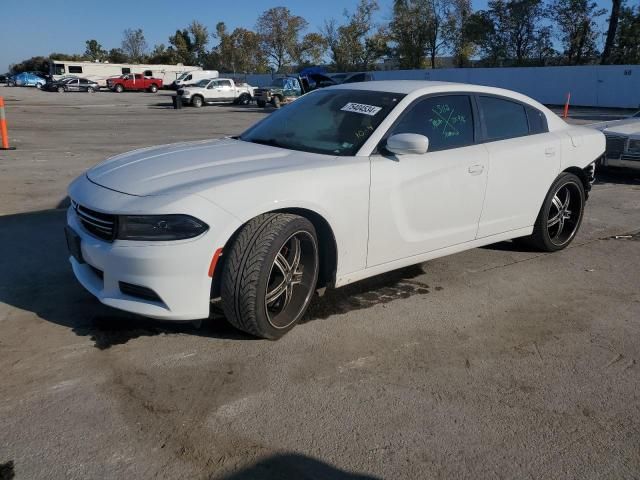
x: 345, y: 183
x: 623, y: 142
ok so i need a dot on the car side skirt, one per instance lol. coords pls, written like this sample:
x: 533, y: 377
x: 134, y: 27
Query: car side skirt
x: 424, y: 257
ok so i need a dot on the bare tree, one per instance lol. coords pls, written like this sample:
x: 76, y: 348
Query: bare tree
x: 134, y: 44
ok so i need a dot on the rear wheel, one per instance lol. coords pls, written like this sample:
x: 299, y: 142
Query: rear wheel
x: 197, y: 101
x: 560, y: 216
x: 153, y: 88
x: 90, y: 90
x: 270, y: 274
x: 244, y: 99
x: 39, y: 86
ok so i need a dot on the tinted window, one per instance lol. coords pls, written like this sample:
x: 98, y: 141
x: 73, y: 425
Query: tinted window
x: 447, y: 121
x: 503, y: 118
x: 148, y: 73
x: 84, y: 81
x: 224, y: 83
x: 537, y: 121
x: 126, y: 70
x: 75, y: 69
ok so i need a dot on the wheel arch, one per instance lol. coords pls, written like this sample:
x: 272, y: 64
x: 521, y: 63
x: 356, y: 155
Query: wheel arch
x: 584, y: 174
x: 327, y: 248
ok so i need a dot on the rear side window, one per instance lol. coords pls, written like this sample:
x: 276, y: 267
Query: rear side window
x: 75, y: 69
x: 537, y: 121
x: 148, y: 73
x: 447, y: 121
x: 503, y: 119
x: 224, y: 83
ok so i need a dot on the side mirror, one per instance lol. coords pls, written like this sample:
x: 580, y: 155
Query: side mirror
x: 407, y: 144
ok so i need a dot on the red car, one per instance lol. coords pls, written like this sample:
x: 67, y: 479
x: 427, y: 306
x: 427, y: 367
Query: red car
x: 135, y: 81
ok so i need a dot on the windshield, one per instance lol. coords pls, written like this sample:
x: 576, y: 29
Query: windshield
x: 332, y: 122
x: 181, y: 77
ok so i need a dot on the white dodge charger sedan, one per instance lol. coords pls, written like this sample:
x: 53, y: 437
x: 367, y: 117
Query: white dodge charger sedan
x: 345, y: 183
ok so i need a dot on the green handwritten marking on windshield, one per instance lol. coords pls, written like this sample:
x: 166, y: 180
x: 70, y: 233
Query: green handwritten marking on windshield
x: 446, y: 120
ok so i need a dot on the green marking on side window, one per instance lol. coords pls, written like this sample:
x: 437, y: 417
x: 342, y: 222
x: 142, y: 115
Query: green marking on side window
x: 446, y: 120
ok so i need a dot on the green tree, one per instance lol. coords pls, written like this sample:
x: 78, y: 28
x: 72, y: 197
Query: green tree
x: 94, y: 51
x: 611, y: 32
x: 162, y: 55
x: 626, y: 48
x: 576, y: 22
x: 238, y: 51
x: 359, y: 43
x: 116, y: 55
x: 312, y: 49
x: 409, y: 31
x: 279, y: 32
x: 459, y: 34
x: 134, y: 44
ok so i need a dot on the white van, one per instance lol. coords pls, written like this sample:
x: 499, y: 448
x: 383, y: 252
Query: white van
x: 193, y: 77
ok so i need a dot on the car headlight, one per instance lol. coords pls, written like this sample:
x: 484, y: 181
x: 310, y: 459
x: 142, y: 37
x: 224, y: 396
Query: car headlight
x: 159, y: 227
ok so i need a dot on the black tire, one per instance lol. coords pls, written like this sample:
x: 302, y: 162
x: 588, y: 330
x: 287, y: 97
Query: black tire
x: 153, y: 88
x: 39, y: 86
x: 251, y: 271
x: 197, y: 101
x: 244, y: 99
x: 118, y: 88
x: 564, y: 205
x: 261, y: 103
x: 61, y: 90
x: 276, y: 102
x: 90, y: 90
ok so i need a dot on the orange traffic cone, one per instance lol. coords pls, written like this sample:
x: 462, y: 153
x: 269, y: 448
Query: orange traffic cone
x: 4, y: 136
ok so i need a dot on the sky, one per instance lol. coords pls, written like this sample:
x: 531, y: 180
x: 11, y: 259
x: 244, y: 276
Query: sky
x: 38, y: 27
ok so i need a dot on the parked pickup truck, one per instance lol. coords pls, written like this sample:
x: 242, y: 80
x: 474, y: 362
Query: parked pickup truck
x: 134, y: 81
x: 216, y: 90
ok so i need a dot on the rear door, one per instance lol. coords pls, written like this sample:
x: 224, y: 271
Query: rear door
x: 524, y: 159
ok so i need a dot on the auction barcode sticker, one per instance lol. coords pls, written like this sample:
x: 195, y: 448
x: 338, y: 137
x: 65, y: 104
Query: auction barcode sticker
x: 361, y: 108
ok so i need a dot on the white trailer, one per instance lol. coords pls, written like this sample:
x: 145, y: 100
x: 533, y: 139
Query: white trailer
x: 100, y: 71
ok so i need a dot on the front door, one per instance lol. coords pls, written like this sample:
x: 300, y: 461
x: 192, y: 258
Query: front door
x: 422, y: 203
x: 214, y: 92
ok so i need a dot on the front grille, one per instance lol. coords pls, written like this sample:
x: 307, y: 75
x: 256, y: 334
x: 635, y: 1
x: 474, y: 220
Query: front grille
x: 98, y: 224
x: 615, y: 145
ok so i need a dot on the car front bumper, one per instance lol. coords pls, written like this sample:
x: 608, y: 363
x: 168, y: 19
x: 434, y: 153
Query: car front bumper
x: 177, y: 272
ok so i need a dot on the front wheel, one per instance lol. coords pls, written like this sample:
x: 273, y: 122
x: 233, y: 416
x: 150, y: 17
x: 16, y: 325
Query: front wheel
x: 60, y: 89
x: 119, y: 88
x: 270, y: 273
x: 196, y: 101
x: 560, y: 216
x: 244, y: 99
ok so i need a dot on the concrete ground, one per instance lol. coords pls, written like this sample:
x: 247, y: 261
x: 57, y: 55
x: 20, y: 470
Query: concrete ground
x: 493, y: 363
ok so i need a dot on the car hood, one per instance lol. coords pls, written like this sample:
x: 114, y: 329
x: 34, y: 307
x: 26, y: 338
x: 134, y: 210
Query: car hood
x: 628, y: 126
x: 194, y: 166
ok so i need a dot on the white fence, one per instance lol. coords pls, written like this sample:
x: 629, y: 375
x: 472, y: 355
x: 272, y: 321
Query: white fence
x: 590, y: 86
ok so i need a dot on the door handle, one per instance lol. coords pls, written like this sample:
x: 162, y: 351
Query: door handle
x: 476, y: 169
x: 549, y: 151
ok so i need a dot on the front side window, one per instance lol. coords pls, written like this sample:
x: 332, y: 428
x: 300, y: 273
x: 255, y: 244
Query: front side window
x: 75, y: 69
x: 447, y: 121
x: 503, y: 118
x: 331, y: 122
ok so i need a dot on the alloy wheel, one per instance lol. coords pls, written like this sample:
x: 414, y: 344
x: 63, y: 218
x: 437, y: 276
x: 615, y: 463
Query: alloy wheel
x: 291, y: 280
x: 564, y: 214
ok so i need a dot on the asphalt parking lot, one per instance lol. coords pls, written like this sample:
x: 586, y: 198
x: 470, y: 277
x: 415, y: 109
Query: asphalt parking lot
x: 493, y: 363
